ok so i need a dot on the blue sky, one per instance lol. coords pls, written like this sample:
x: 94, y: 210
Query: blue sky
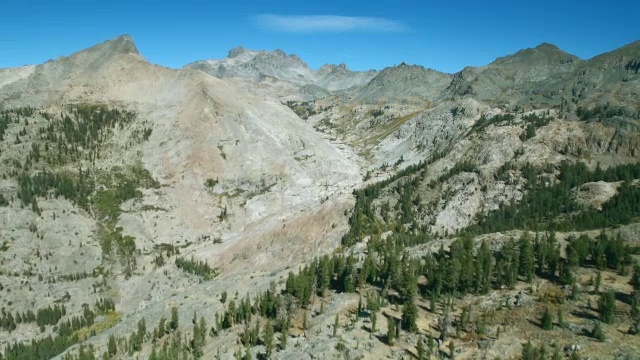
x: 443, y: 35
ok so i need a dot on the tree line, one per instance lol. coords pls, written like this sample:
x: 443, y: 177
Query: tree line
x: 49, y: 315
x: 66, y: 334
x: 362, y: 219
x: 549, y: 204
x: 198, y: 268
x: 605, y: 111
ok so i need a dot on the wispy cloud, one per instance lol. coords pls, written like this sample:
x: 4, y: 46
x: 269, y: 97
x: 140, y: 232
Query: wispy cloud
x: 328, y: 23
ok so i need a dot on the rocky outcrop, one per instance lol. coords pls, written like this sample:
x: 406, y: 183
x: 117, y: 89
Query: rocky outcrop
x: 244, y: 63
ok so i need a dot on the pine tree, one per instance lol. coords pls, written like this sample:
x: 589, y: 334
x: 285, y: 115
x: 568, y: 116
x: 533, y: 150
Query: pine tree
x: 173, y: 325
x: 409, y: 316
x: 154, y: 354
x: 445, y: 321
x: 374, y: 319
x: 607, y: 307
x: 433, y: 302
x: 420, y: 350
x: 198, y: 342
x: 452, y: 350
x: 528, y: 352
x: 566, y: 273
x: 112, y: 347
x: 560, y: 318
x: 527, y: 259
x: 324, y: 276
x: 133, y: 344
x: 268, y: 337
x: 597, y: 332
x: 283, y: 338
x: 203, y: 330
x: 142, y: 330
x: 409, y: 286
x: 255, y: 334
x: 547, y: 320
x: 161, y: 328
x: 484, y: 260
x: 431, y: 344
x: 391, y: 330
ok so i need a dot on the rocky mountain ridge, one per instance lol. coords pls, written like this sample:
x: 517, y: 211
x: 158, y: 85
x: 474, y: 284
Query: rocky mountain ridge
x: 255, y: 65
x: 188, y: 191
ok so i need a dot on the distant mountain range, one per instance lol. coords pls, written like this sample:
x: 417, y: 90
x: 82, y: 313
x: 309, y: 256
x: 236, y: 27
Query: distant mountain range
x: 542, y: 75
x: 257, y: 64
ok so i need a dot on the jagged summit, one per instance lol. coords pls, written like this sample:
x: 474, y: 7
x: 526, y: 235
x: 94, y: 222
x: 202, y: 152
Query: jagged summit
x: 258, y: 64
x: 340, y: 68
x: 280, y: 53
x: 242, y: 62
x: 237, y: 51
x: 332, y: 67
x: 278, y: 58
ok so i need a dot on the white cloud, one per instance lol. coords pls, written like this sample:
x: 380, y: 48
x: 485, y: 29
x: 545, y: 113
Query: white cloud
x: 328, y: 23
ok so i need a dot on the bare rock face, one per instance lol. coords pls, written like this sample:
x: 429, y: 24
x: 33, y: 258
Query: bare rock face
x: 595, y: 194
x: 459, y: 210
x: 340, y: 77
x: 282, y: 187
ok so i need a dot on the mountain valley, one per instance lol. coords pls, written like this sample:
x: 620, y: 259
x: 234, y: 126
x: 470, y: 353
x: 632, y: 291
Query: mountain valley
x: 253, y: 207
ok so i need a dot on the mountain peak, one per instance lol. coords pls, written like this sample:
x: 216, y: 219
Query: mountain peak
x: 280, y: 52
x: 541, y: 55
x: 122, y: 44
x: 405, y: 82
x: 237, y: 51
x: 547, y: 46
x: 106, y: 51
